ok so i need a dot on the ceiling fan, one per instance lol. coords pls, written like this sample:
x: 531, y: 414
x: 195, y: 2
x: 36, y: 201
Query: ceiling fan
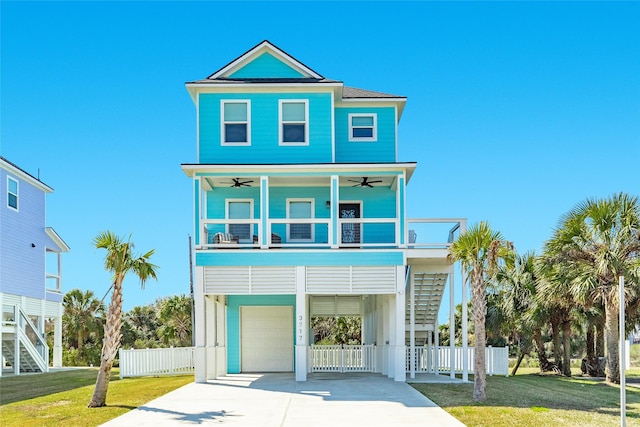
x: 365, y: 182
x: 238, y: 183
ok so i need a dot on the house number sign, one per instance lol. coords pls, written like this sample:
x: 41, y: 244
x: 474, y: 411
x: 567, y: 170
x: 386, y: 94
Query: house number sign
x: 300, y: 329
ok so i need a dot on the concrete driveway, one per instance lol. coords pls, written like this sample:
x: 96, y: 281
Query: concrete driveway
x: 278, y: 400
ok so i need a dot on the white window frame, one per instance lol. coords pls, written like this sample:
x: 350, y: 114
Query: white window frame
x: 281, y: 122
x: 251, y: 227
x: 17, y: 193
x: 313, y: 215
x: 223, y: 122
x: 373, y: 138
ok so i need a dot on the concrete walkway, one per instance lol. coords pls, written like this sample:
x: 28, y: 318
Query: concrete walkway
x: 277, y: 400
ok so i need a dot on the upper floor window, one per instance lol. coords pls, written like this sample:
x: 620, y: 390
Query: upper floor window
x: 297, y: 209
x: 12, y: 193
x: 294, y: 122
x: 362, y: 127
x: 236, y: 122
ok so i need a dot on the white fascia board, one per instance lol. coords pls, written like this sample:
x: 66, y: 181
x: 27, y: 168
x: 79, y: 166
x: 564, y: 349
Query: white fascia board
x: 16, y: 171
x: 57, y: 239
x: 259, y: 50
x: 335, y: 169
x: 195, y: 88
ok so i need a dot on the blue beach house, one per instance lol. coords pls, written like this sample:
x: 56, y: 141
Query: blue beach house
x: 30, y: 274
x: 299, y: 209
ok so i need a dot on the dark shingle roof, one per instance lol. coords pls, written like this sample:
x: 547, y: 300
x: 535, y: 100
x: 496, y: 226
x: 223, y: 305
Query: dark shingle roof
x: 352, y: 92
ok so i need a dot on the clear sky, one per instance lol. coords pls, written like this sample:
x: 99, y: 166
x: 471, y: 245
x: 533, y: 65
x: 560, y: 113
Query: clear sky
x: 516, y: 111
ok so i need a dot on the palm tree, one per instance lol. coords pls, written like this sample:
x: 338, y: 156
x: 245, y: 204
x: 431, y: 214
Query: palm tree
x: 119, y: 260
x: 82, y: 315
x: 175, y: 320
x: 598, y: 241
x: 479, y: 249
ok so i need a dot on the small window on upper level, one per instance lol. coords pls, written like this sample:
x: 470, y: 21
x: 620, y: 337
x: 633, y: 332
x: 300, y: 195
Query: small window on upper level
x: 236, y: 122
x: 294, y: 122
x: 363, y: 127
x: 12, y: 193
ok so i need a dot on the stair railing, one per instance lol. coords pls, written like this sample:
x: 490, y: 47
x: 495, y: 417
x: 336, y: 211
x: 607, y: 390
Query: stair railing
x: 30, y: 334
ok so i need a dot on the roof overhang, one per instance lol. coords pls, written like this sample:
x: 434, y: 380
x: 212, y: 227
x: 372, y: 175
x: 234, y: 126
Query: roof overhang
x: 15, y: 170
x: 57, y: 239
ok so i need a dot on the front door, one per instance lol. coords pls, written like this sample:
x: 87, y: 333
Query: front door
x: 350, y: 231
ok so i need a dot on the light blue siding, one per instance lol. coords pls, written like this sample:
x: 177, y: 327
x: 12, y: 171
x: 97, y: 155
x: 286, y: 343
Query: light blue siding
x: 22, y: 267
x: 275, y: 257
x: 264, y: 126
x: 382, y: 150
x: 377, y: 202
x: 234, y: 302
x: 266, y: 66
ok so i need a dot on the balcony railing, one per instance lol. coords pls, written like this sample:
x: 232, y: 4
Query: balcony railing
x: 319, y: 233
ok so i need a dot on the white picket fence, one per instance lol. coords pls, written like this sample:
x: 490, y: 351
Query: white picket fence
x: 342, y: 358
x: 156, y: 361
x: 497, y: 360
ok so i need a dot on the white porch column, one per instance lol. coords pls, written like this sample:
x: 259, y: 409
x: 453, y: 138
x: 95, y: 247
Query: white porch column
x: 382, y: 339
x: 334, y: 230
x: 210, y: 336
x: 264, y: 231
x: 436, y: 348
x: 301, y: 324
x: 200, y: 358
x: 57, y: 340
x: 400, y: 347
x: 452, y: 326
x: 412, y: 327
x: 465, y: 332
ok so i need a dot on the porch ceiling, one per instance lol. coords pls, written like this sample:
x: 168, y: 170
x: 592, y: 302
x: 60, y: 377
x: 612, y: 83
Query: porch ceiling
x: 428, y: 290
x: 298, y: 181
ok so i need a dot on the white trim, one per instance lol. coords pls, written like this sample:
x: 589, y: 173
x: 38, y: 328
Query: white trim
x: 313, y: 234
x: 57, y: 239
x: 223, y: 122
x: 17, y: 194
x: 373, y: 138
x: 253, y: 53
x: 281, y: 122
x: 251, y: 229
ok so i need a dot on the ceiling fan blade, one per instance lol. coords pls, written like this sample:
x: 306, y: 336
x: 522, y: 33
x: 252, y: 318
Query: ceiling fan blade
x: 373, y: 182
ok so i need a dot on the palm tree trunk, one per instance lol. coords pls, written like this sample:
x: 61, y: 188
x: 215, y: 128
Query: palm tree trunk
x: 600, y: 336
x: 611, y: 332
x: 479, y: 314
x: 555, y: 330
x: 566, y: 347
x: 542, y: 355
x: 110, y: 345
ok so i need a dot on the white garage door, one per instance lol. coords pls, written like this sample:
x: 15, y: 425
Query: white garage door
x: 266, y: 339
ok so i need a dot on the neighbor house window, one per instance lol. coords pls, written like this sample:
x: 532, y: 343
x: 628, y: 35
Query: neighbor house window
x: 12, y: 193
x: 236, y: 122
x: 240, y: 209
x: 297, y: 209
x: 294, y: 123
x: 362, y: 127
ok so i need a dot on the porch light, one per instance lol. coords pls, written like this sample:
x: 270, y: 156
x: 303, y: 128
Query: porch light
x: 328, y: 204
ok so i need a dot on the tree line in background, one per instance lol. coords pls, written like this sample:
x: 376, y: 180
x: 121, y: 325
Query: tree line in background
x: 166, y: 322
x: 564, y: 302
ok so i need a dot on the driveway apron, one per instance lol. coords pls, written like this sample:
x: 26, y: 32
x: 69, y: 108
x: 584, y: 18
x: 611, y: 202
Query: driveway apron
x: 277, y: 400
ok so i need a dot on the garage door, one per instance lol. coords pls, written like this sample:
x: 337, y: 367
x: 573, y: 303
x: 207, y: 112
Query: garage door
x: 266, y: 339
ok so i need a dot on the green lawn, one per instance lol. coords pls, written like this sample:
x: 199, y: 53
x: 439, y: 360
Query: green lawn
x: 60, y: 398
x: 529, y: 399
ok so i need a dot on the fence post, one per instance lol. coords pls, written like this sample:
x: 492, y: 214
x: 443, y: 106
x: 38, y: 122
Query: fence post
x: 120, y: 362
x: 171, y: 367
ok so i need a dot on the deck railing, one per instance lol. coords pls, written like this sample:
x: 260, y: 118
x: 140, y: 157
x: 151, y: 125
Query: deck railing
x: 497, y: 360
x: 367, y: 233
x: 342, y: 358
x: 156, y: 361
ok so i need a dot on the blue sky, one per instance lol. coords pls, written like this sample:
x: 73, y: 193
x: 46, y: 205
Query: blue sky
x: 516, y: 111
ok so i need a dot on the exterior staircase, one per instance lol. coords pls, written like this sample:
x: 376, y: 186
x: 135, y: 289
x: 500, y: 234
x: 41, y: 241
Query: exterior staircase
x: 428, y: 291
x: 23, y: 347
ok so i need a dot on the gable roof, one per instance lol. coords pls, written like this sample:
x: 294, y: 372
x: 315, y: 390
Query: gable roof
x: 262, y: 48
x: 16, y: 170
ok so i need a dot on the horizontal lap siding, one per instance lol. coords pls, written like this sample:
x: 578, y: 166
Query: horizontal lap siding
x: 381, y: 150
x: 266, y: 66
x: 264, y: 126
x: 281, y: 257
x: 23, y: 266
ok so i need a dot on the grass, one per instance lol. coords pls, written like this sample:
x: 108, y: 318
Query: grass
x: 60, y: 398
x: 529, y: 399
